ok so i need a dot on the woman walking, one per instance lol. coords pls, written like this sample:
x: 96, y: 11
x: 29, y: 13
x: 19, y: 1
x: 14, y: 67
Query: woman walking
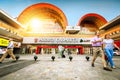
x: 108, y: 47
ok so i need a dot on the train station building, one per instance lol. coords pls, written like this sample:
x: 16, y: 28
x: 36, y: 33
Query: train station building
x: 44, y: 26
x: 38, y: 32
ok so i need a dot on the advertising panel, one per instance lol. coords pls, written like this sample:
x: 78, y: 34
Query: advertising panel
x: 4, y: 42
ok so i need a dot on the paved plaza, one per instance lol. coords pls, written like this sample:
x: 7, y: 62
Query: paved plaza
x: 61, y: 69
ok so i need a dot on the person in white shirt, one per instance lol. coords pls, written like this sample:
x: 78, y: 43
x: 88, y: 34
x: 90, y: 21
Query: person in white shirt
x: 9, y: 51
x: 60, y: 48
x: 108, y: 48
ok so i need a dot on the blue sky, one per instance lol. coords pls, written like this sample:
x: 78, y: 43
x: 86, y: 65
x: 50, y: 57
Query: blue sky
x: 73, y: 9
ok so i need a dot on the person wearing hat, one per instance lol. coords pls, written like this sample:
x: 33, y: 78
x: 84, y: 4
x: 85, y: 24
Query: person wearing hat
x: 9, y: 51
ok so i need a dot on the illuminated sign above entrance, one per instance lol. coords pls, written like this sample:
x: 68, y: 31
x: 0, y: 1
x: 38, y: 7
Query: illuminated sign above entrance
x: 55, y: 40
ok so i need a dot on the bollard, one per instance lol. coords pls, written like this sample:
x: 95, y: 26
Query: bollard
x: 53, y: 58
x: 70, y: 57
x: 17, y: 57
x: 35, y: 57
x: 87, y: 58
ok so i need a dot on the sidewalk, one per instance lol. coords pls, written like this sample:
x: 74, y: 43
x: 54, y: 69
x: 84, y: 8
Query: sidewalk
x: 63, y: 69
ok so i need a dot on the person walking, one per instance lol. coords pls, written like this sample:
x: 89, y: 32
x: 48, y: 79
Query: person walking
x: 60, y: 49
x: 97, y: 49
x: 108, y: 48
x: 9, y: 51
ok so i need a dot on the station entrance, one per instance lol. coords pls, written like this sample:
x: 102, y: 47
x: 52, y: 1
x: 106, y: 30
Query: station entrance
x: 46, y: 49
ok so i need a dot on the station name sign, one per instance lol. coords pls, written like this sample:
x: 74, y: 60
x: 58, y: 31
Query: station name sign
x: 55, y: 40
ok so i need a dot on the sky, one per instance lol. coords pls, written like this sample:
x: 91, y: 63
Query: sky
x: 73, y: 9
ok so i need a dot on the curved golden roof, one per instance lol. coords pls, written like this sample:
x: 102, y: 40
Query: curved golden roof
x: 92, y: 21
x: 45, y: 11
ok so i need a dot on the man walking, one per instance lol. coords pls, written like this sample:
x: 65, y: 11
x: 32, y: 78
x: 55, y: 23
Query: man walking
x: 97, y: 49
x: 9, y: 51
